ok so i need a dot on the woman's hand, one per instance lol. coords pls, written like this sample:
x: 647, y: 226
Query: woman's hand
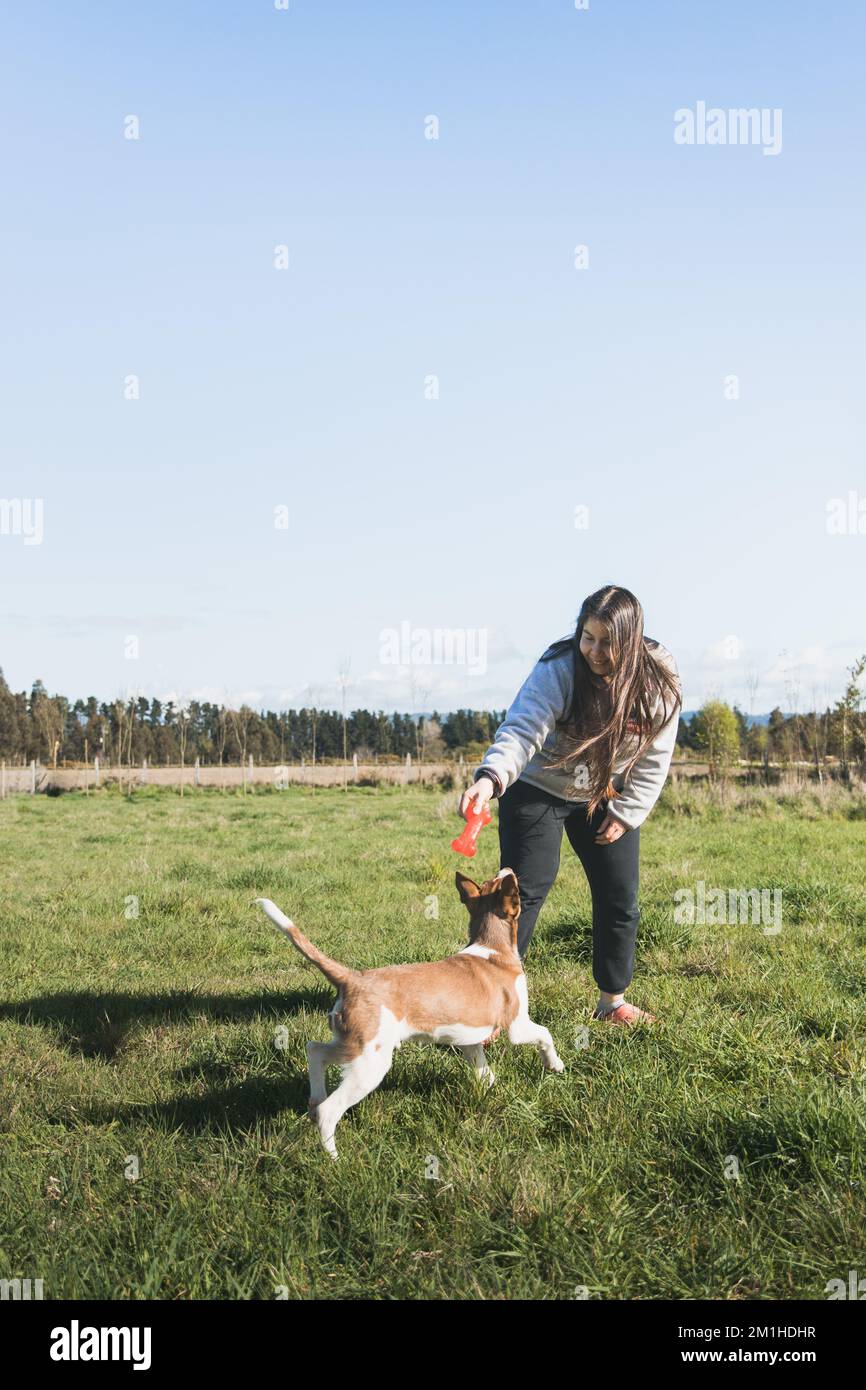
x: 610, y: 829
x: 476, y: 797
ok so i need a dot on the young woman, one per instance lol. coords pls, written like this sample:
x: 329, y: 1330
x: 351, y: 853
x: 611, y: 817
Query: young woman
x: 585, y: 747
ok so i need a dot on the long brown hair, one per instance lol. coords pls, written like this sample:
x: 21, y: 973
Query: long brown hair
x: 602, y: 715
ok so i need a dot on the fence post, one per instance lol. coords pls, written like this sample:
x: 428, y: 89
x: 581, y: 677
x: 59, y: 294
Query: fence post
x: 32, y: 776
x: 96, y: 769
x: 407, y: 769
x: 197, y: 773
x: 355, y: 765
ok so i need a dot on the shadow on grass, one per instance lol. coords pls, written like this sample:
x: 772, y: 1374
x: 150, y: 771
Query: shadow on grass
x: 239, y: 1106
x: 247, y: 1102
x: 96, y: 1025
x: 563, y: 940
x: 570, y: 938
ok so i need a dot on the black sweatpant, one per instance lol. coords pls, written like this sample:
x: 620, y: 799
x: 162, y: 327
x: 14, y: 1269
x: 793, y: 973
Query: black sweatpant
x: 531, y: 822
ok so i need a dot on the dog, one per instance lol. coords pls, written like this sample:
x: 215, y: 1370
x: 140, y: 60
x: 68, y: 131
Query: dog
x: 466, y: 1000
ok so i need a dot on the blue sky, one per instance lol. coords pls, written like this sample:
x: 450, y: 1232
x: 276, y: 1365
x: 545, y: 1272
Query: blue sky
x: 409, y: 258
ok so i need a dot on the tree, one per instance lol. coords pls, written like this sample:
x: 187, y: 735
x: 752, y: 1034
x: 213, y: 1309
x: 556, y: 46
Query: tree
x: 183, y: 721
x: 776, y: 739
x: 757, y: 743
x: 818, y: 727
x: 847, y: 710
x: 241, y: 722
x: 742, y: 727
x: 716, y: 733
x: 10, y: 729
x: 343, y: 679
x: 49, y: 718
x: 313, y: 695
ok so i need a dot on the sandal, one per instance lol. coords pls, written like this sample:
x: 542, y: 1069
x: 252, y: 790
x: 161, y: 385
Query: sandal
x: 625, y: 1013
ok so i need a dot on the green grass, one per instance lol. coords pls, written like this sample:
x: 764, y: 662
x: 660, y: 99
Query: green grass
x: 154, y: 1037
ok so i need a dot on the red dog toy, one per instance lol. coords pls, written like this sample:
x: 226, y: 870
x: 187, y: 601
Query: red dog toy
x: 465, y: 842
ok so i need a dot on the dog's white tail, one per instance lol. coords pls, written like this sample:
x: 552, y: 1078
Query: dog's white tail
x: 279, y: 919
x: 333, y: 970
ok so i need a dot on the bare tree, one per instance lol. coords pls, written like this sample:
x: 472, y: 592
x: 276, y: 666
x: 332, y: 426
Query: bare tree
x: 847, y: 708
x: 49, y: 713
x: 752, y: 681
x: 418, y: 697
x: 241, y: 720
x: 343, y: 681
x: 118, y: 709
x: 819, y: 734
x: 222, y: 729
x: 127, y: 711
x: 182, y: 730
x: 312, y: 695
x: 792, y: 696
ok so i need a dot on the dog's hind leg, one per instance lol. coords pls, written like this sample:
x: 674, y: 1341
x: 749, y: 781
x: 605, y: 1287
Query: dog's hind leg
x: 477, y: 1059
x: 360, y: 1077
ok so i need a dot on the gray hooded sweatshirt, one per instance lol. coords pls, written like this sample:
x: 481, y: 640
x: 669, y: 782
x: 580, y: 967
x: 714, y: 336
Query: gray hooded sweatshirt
x: 527, y: 739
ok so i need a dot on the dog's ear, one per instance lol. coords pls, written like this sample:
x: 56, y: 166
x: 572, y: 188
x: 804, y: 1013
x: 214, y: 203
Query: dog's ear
x: 466, y: 887
x: 510, y: 893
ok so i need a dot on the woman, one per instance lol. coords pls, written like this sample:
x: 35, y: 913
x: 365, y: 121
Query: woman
x: 585, y: 747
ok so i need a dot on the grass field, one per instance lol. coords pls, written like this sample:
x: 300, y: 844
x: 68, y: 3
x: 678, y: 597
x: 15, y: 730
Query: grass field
x: 153, y: 1040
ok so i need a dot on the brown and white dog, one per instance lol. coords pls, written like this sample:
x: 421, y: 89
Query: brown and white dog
x: 465, y: 999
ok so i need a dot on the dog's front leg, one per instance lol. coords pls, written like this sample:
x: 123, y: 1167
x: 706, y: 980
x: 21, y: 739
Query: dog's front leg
x: 477, y: 1059
x: 317, y: 1058
x: 523, y: 1030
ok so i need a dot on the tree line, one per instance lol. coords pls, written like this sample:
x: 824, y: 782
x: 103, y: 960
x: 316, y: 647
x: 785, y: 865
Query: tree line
x: 53, y: 730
